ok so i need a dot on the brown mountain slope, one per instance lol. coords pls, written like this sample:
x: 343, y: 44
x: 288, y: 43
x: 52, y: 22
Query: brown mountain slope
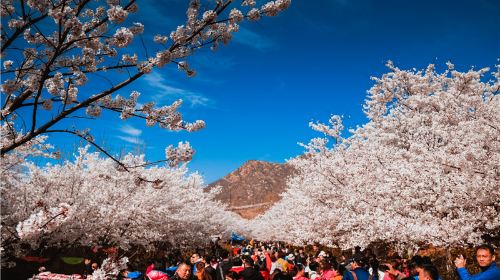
x: 253, y: 187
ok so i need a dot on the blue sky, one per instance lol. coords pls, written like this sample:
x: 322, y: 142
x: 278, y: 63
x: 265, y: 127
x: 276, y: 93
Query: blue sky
x: 258, y: 94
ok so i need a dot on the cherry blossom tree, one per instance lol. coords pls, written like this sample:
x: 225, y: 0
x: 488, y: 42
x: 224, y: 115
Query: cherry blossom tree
x: 53, y: 50
x: 423, y: 170
x: 92, y: 201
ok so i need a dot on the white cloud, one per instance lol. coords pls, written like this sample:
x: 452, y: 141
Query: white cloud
x: 131, y: 140
x: 155, y: 80
x: 131, y: 135
x: 249, y: 38
x: 130, y: 130
x: 160, y: 85
x: 197, y: 100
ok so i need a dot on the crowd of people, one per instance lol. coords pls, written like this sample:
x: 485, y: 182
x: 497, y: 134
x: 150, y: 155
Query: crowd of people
x: 261, y: 261
x: 273, y: 261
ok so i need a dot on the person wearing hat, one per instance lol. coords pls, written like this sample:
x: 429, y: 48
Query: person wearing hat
x: 321, y: 257
x: 291, y: 261
x: 281, y: 263
x: 249, y: 272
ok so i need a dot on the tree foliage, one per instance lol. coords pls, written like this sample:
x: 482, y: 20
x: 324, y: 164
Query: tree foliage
x: 423, y: 170
x: 92, y: 201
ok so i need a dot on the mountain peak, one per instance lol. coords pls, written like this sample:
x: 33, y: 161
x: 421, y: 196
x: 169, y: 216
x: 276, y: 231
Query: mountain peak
x: 253, y: 187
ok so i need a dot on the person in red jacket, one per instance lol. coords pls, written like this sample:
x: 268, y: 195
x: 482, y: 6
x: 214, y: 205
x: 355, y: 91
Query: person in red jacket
x: 301, y: 271
x: 249, y: 272
x: 237, y: 265
x: 269, y: 261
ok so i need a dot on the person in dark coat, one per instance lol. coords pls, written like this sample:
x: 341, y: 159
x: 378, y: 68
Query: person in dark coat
x: 249, y: 272
x: 183, y: 272
x: 224, y: 266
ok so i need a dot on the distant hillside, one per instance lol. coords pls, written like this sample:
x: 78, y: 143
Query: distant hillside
x: 253, y: 187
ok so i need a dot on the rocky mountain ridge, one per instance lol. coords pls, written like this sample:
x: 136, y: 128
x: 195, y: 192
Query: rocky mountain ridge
x: 254, y: 187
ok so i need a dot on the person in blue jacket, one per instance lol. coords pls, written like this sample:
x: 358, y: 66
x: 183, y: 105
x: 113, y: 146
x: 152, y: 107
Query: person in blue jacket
x: 485, y: 256
x: 358, y: 270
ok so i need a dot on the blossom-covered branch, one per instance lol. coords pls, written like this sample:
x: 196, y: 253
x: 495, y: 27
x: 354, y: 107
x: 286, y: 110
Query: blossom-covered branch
x: 65, y: 44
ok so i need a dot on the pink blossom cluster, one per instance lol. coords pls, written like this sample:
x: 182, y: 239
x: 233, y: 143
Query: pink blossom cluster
x: 163, y: 58
x: 197, y: 125
x: 6, y: 8
x: 160, y: 39
x: 248, y: 3
x: 55, y: 84
x: 117, y: 14
x: 43, y: 221
x: 235, y: 16
x: 182, y: 153
x: 273, y: 8
x: 122, y: 38
x: 131, y: 59
x: 253, y: 14
x: 7, y: 64
x: 93, y: 110
x: 137, y: 29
